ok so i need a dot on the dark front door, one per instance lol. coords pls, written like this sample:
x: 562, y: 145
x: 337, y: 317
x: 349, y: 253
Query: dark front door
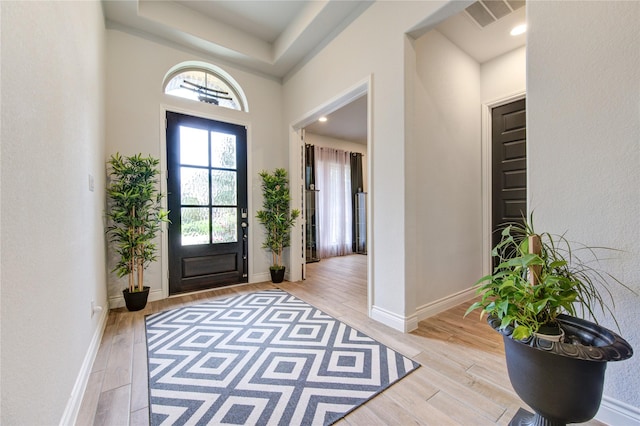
x: 509, y: 165
x: 207, y: 199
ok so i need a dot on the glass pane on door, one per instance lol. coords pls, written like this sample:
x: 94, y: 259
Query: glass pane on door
x: 195, y: 226
x: 223, y: 187
x: 194, y: 186
x: 208, y: 187
x: 224, y: 226
x: 223, y: 150
x: 194, y: 146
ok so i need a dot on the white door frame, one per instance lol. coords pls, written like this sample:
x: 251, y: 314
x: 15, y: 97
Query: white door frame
x: 164, y: 239
x: 297, y: 179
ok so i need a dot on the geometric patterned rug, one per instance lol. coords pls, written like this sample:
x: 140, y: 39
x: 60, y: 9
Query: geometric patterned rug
x: 264, y: 358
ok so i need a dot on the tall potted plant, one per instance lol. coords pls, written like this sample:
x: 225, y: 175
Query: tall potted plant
x: 277, y: 218
x: 135, y: 215
x: 541, y: 282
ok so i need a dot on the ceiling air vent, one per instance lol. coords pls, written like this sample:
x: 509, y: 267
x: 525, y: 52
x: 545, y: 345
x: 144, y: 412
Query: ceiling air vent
x: 485, y: 12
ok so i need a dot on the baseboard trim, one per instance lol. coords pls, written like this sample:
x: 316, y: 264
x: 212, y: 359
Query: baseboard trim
x: 395, y: 321
x: 264, y: 276
x: 433, y: 308
x: 71, y: 411
x: 156, y: 294
x: 410, y: 323
x: 614, y: 412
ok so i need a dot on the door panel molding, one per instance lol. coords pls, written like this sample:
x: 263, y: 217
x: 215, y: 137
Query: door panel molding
x: 486, y: 173
x: 509, y: 196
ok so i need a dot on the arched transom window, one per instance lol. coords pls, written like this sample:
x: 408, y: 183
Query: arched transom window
x: 205, y: 83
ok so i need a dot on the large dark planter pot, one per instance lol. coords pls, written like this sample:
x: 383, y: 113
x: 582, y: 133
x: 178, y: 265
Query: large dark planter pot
x: 137, y: 300
x: 561, y: 381
x: 277, y: 275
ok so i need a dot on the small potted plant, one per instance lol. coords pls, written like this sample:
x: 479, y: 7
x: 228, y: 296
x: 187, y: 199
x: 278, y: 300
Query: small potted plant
x: 277, y: 218
x: 542, y: 281
x: 135, y: 215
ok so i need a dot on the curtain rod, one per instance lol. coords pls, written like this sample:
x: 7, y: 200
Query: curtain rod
x: 308, y: 145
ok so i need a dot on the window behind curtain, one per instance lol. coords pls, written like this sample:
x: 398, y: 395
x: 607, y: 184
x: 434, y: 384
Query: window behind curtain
x: 333, y: 180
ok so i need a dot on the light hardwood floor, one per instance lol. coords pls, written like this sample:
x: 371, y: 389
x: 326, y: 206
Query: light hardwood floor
x: 462, y: 380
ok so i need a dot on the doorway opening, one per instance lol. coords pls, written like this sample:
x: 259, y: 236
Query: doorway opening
x: 308, y: 131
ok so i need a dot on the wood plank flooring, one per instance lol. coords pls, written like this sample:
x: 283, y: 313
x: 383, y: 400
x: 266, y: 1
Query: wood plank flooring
x: 463, y: 379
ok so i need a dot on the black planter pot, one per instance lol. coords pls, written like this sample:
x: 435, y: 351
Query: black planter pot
x: 562, y: 381
x: 277, y: 275
x: 137, y: 300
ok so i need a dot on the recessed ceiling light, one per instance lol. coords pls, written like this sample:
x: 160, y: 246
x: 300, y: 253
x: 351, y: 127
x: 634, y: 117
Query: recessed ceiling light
x: 322, y: 119
x: 519, y: 29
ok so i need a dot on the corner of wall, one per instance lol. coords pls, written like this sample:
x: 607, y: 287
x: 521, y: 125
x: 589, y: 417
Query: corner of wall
x: 395, y: 321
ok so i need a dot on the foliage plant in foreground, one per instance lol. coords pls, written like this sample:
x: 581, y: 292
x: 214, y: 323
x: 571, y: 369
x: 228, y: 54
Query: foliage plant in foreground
x: 528, y: 290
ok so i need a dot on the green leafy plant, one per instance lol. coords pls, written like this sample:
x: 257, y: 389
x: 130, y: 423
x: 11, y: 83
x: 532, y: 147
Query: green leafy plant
x: 134, y: 213
x: 540, y: 276
x: 276, y: 216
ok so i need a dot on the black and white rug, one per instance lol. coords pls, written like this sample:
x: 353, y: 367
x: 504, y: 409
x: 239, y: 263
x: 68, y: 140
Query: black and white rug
x: 264, y: 358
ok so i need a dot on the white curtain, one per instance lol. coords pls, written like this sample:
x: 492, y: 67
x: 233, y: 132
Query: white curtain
x: 333, y: 180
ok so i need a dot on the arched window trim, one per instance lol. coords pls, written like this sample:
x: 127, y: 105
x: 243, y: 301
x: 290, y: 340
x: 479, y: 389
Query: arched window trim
x: 210, y: 69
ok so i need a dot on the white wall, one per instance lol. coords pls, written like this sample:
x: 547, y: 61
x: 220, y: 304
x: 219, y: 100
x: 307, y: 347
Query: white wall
x: 319, y: 140
x: 503, y: 76
x: 52, y: 231
x: 583, y: 128
x: 443, y: 192
x: 136, y: 68
x: 372, y: 46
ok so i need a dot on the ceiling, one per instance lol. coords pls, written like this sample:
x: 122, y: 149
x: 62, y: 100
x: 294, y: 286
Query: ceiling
x: 483, y: 44
x: 268, y: 37
x: 348, y: 123
x: 273, y: 38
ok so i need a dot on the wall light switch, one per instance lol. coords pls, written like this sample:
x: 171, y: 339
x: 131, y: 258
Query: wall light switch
x: 91, y: 184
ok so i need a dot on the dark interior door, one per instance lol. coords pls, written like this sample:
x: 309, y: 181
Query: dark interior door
x: 207, y: 199
x: 509, y: 165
